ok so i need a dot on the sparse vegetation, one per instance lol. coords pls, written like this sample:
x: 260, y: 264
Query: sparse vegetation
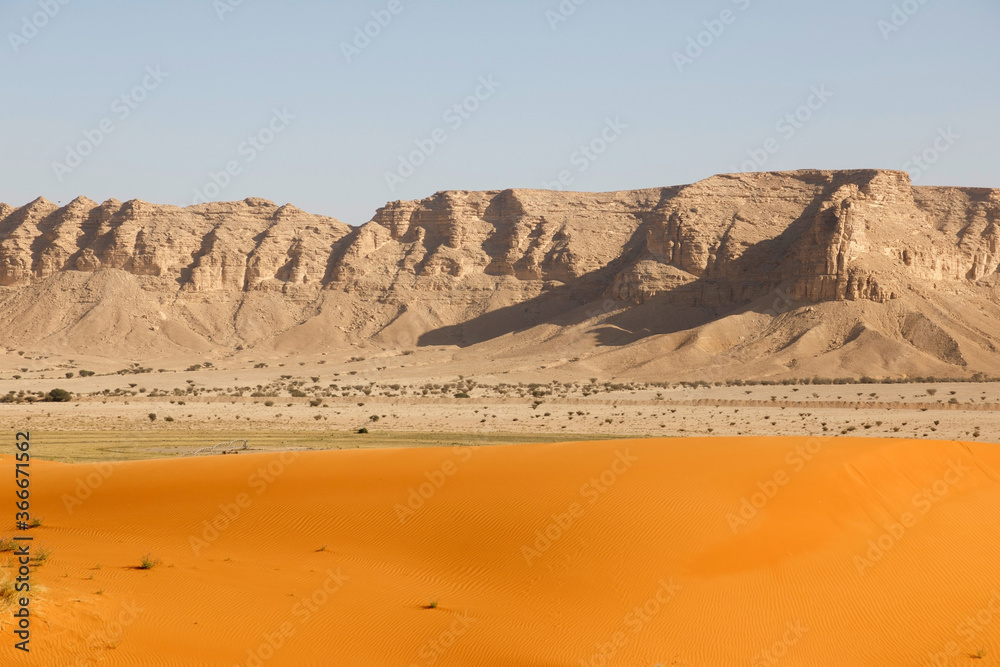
x: 148, y: 562
x: 41, y: 554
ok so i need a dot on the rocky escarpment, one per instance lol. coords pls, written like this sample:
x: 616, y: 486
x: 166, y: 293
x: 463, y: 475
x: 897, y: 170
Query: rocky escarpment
x: 453, y: 267
x: 219, y: 247
x: 819, y: 236
x: 826, y: 235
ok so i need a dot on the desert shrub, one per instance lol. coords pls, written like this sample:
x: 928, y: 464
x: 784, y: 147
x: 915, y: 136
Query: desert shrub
x: 148, y: 562
x: 7, y: 592
x: 58, y: 396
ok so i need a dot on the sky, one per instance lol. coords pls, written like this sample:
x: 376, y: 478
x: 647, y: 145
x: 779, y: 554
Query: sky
x: 340, y: 107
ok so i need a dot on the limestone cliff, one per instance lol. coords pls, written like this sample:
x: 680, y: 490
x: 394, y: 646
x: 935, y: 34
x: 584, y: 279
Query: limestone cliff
x: 219, y: 276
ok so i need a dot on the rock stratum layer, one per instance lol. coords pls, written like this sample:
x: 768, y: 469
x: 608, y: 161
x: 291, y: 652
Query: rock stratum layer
x: 828, y: 273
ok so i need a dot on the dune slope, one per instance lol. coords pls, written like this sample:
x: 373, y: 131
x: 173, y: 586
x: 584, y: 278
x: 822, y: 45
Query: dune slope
x: 753, y: 551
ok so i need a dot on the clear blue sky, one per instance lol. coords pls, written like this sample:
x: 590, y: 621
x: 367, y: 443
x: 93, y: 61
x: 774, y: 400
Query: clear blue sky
x: 559, y: 85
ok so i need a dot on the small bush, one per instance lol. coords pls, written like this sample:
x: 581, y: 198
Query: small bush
x: 362, y: 430
x: 148, y: 562
x: 7, y: 592
x: 152, y: 416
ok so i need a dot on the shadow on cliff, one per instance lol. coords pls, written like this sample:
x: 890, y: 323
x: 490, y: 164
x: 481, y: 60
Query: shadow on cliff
x: 755, y: 274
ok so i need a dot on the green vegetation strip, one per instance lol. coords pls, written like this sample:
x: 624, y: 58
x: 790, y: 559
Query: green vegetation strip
x: 90, y: 446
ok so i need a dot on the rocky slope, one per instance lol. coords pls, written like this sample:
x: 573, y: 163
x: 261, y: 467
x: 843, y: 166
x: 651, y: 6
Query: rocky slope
x: 778, y: 274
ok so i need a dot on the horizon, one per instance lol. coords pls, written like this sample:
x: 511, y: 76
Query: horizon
x: 489, y: 190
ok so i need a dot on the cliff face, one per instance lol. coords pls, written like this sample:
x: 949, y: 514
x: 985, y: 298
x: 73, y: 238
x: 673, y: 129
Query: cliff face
x: 821, y: 236
x: 809, y: 237
x: 217, y: 247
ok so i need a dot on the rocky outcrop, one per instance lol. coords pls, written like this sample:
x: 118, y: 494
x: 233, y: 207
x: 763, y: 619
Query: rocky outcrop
x: 818, y: 236
x: 809, y: 237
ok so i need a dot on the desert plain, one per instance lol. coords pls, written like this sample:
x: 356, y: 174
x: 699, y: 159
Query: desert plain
x: 749, y: 421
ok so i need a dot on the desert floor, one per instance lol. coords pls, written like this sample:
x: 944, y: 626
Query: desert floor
x: 122, y: 407
x: 500, y: 519
x: 700, y: 551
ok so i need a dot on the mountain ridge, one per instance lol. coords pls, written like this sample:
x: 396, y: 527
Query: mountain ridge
x: 468, y: 269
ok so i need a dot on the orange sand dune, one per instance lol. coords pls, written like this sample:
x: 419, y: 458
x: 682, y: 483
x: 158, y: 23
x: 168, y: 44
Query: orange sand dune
x: 761, y: 551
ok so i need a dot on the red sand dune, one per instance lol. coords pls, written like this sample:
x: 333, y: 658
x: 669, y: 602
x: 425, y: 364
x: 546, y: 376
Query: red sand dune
x: 845, y: 552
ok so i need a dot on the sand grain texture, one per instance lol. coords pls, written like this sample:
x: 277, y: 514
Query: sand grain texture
x: 653, y: 531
